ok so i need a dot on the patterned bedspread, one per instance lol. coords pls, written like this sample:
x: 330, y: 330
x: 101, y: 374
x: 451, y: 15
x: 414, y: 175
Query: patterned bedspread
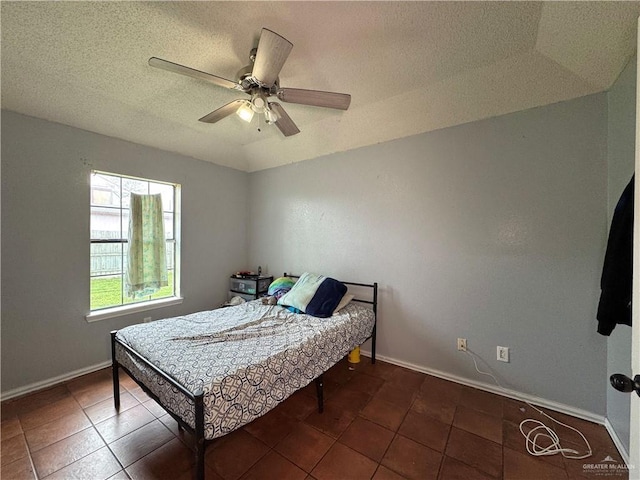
x: 246, y: 359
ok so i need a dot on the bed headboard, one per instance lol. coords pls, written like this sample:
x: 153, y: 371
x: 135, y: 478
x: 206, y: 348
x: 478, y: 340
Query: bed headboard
x: 373, y: 302
x: 373, y: 286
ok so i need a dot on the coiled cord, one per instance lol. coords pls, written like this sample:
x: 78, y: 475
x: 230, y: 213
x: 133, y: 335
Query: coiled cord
x: 539, y: 431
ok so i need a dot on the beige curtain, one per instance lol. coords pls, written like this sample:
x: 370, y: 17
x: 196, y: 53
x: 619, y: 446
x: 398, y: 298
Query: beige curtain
x: 147, y: 259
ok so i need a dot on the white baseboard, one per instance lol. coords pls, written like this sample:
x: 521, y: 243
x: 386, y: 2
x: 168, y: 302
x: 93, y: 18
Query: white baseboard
x: 16, y: 392
x: 617, y: 442
x: 514, y: 394
x: 556, y: 406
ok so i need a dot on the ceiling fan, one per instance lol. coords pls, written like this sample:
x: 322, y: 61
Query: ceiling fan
x: 260, y: 81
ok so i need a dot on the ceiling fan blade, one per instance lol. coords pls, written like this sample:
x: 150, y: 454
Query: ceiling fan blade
x: 315, y: 98
x: 222, y: 112
x: 191, y: 72
x: 284, y: 122
x: 272, y: 52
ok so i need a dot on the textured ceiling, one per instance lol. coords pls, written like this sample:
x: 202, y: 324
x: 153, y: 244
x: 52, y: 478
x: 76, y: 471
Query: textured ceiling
x: 410, y: 67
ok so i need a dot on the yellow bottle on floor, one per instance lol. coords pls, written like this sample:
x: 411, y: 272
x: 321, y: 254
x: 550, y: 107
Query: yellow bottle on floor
x: 354, y: 355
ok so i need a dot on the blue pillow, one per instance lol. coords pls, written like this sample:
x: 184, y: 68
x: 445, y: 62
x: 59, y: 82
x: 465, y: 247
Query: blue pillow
x: 314, y: 295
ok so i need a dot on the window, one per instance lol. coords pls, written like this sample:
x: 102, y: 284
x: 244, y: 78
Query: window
x: 110, y: 200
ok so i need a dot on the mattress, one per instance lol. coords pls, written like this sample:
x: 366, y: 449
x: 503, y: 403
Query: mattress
x: 246, y: 359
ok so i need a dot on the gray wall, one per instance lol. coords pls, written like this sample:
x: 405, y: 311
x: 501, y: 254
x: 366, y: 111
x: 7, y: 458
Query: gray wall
x: 493, y: 231
x: 621, y: 161
x: 45, y: 247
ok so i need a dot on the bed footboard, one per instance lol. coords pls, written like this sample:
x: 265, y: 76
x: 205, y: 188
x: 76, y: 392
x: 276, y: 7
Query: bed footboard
x: 197, y: 398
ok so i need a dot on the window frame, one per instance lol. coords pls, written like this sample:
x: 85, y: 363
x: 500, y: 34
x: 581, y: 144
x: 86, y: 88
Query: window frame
x: 148, y: 304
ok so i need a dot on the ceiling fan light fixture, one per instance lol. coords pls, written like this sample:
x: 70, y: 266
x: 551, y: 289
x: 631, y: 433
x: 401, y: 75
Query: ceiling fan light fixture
x: 245, y: 112
x: 258, y: 104
x: 271, y: 115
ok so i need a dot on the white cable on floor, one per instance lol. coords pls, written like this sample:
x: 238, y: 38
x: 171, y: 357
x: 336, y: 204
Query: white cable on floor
x: 540, y: 430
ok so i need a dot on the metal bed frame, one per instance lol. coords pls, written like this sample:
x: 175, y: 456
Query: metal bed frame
x: 197, y: 397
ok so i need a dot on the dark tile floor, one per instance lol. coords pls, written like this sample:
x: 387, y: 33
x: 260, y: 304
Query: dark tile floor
x: 380, y: 421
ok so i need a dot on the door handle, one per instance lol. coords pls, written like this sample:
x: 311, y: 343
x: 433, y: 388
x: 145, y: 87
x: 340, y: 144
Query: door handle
x: 623, y: 383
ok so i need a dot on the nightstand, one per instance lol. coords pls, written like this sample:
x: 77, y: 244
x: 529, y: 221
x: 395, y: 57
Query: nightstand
x: 249, y: 287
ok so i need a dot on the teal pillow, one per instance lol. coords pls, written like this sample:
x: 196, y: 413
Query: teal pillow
x: 280, y: 286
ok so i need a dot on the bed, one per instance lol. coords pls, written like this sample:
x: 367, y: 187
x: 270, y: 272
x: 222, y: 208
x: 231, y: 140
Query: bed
x: 218, y: 370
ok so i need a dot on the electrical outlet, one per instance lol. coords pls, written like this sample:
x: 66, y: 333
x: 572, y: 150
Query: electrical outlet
x: 503, y: 354
x: 462, y: 344
x: 147, y: 319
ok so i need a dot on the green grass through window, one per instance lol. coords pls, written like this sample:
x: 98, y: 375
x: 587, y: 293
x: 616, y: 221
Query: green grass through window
x: 107, y: 292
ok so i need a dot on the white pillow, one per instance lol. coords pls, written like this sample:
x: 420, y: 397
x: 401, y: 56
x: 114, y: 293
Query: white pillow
x: 343, y: 303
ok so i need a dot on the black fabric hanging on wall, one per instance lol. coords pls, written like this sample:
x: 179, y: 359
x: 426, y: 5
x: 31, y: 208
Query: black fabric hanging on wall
x: 615, y: 300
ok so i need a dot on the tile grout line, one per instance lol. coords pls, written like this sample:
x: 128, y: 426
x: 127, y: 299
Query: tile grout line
x: 29, y: 450
x: 107, y: 445
x: 396, y: 433
x: 93, y: 425
x: 124, y: 469
x: 335, y: 440
x: 444, y: 450
x: 33, y: 465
